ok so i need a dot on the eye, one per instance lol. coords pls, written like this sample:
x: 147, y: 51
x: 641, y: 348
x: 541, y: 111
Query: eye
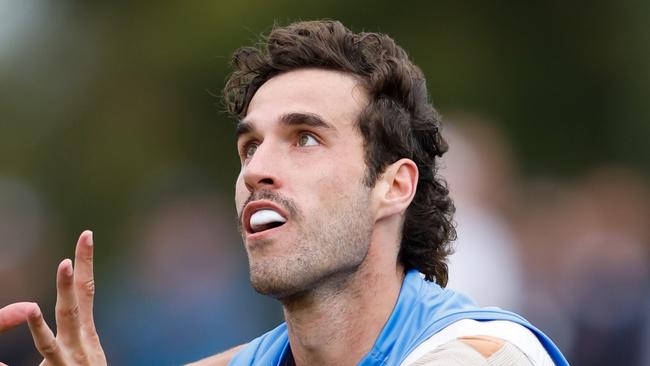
x: 306, y: 139
x: 249, y: 150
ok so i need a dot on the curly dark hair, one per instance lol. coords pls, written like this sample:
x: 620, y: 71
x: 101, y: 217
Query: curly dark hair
x: 398, y: 122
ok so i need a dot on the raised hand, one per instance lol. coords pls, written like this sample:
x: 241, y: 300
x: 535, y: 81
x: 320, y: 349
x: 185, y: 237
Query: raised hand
x: 76, y: 341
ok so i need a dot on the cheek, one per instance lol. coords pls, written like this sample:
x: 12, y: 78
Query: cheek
x: 339, y: 184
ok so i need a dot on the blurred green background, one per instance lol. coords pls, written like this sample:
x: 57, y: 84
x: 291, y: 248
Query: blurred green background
x: 108, y: 109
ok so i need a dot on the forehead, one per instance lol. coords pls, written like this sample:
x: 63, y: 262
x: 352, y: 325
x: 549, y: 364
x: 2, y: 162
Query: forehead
x: 336, y: 97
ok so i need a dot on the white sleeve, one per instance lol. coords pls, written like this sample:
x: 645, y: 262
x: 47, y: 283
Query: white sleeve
x: 516, y: 334
x: 454, y: 353
x: 458, y: 353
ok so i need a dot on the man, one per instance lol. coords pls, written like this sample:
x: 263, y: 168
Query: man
x: 341, y: 214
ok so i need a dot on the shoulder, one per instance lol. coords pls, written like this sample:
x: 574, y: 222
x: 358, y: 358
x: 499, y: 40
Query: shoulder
x: 475, y: 351
x: 484, y: 338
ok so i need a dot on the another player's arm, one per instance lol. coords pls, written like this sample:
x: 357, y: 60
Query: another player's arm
x: 221, y: 359
x: 76, y: 341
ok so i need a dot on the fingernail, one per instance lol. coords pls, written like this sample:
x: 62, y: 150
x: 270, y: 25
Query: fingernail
x: 90, y: 242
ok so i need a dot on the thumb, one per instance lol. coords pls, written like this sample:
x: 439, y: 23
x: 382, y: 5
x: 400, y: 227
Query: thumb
x: 15, y: 314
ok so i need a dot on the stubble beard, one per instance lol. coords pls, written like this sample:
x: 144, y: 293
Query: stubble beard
x: 327, y: 248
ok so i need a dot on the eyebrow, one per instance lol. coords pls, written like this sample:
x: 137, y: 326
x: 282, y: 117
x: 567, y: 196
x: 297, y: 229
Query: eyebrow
x: 288, y: 119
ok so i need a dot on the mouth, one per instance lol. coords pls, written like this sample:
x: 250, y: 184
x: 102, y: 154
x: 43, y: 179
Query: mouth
x: 262, y: 216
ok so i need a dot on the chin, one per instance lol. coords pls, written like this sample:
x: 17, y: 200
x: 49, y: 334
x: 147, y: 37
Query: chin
x: 290, y: 282
x: 278, y: 288
x: 285, y: 278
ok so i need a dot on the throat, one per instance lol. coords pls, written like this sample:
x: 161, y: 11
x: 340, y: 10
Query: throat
x: 329, y: 340
x: 339, y: 326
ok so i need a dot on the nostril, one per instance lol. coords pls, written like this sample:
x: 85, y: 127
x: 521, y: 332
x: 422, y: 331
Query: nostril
x: 266, y: 181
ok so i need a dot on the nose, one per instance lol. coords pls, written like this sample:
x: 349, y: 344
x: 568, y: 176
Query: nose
x: 260, y: 171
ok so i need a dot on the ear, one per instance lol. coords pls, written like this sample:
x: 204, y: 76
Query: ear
x: 397, y: 188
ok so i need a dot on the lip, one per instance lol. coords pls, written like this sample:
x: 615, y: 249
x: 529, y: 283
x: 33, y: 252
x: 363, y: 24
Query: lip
x: 255, y: 206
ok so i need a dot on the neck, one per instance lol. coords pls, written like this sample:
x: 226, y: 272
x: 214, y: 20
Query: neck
x: 338, y: 322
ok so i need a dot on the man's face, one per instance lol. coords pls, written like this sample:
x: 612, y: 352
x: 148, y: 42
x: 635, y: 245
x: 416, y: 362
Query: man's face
x: 305, y: 215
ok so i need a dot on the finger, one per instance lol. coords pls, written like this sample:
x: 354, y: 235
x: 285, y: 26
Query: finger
x: 3, y: 364
x: 84, y: 281
x: 15, y: 314
x: 67, y: 310
x: 44, y: 339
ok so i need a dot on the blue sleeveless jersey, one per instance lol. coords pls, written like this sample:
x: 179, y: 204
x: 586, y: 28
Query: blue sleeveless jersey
x: 423, y: 309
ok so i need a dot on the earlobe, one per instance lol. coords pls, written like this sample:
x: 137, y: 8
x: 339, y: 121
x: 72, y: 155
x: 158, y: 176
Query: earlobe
x: 400, y: 182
